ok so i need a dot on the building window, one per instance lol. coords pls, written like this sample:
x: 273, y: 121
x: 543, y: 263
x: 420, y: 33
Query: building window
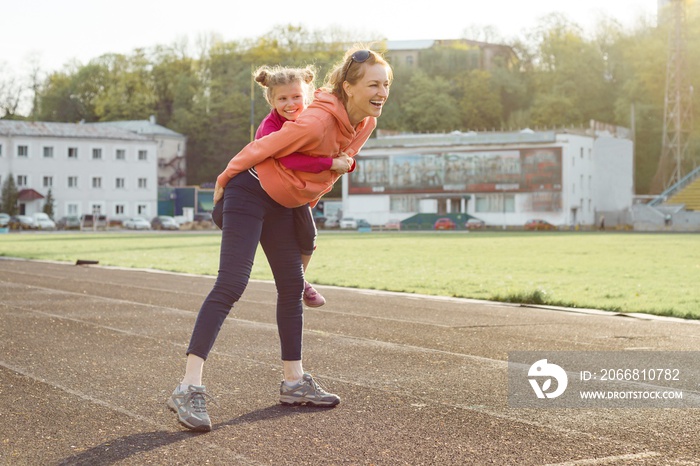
x: 72, y: 209
x: 97, y: 154
x: 495, y: 203
x: 72, y: 181
x: 120, y: 154
x: 48, y: 152
x: 96, y: 182
x: 119, y: 183
x: 403, y: 204
x: 119, y: 209
x: 22, y: 181
x: 582, y: 152
x: 143, y: 155
x: 96, y: 209
x: 142, y: 209
x: 0, y: 150
x: 22, y: 151
x: 72, y: 152
x: 48, y: 181
x: 143, y: 183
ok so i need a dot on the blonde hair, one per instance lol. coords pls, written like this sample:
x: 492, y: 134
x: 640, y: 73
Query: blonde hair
x: 344, y: 71
x: 270, y: 78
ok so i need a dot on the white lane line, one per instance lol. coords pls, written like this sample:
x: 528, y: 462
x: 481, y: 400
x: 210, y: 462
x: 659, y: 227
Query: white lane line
x: 105, y: 404
x: 608, y: 459
x: 502, y: 414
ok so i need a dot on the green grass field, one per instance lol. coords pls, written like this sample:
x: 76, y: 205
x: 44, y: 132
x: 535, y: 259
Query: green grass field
x: 625, y: 272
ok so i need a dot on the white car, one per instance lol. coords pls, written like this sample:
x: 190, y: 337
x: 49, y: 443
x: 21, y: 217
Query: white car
x: 136, y: 223
x: 348, y: 223
x: 43, y: 221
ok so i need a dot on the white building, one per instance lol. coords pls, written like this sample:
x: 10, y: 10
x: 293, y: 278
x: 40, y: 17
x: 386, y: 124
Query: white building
x: 172, y: 168
x: 505, y: 179
x: 88, y: 168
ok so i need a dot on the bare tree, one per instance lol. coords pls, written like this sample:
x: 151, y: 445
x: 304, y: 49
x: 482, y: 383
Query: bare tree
x: 11, y: 91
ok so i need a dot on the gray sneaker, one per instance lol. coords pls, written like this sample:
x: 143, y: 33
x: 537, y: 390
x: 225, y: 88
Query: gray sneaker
x: 191, y: 407
x: 307, y: 391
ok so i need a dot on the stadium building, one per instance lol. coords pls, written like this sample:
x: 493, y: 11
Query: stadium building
x: 568, y: 178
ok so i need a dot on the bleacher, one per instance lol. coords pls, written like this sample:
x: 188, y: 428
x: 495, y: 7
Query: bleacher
x: 688, y: 196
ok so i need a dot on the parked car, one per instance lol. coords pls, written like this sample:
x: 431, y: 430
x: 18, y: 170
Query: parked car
x: 70, y: 222
x: 21, y: 222
x: 164, y: 222
x: 4, y: 220
x: 475, y: 224
x: 43, y: 221
x: 320, y: 221
x: 537, y: 224
x: 444, y: 223
x: 331, y: 223
x: 348, y: 223
x: 98, y: 222
x: 136, y: 223
x: 204, y: 220
x: 203, y: 217
x: 364, y: 224
x: 393, y: 224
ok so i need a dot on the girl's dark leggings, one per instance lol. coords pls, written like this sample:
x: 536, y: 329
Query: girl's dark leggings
x: 252, y: 217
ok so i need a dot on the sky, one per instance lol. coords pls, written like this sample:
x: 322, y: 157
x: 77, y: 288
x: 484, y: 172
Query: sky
x: 54, y: 32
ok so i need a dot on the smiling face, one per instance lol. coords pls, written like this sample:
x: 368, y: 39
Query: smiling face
x: 367, y: 96
x: 288, y: 99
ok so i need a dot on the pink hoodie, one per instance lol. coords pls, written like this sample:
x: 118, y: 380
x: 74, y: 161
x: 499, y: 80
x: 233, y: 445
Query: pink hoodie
x: 322, y: 130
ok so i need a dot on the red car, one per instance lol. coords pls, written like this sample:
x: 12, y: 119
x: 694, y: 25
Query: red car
x: 537, y: 224
x: 444, y: 224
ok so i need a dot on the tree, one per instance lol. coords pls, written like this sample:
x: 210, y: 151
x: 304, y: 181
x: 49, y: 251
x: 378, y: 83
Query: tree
x: 428, y: 106
x: 480, y: 106
x: 569, y: 72
x: 70, y: 95
x: 49, y: 204
x: 10, y: 196
x: 10, y: 98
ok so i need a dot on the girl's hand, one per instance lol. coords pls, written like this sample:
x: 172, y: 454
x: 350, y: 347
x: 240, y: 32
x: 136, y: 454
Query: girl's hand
x: 341, y: 163
x: 218, y: 193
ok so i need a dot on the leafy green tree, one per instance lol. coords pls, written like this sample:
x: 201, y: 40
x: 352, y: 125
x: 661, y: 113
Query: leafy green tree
x: 10, y: 195
x: 480, y: 105
x: 129, y: 94
x: 70, y: 95
x: 49, y: 204
x: 428, y: 107
x: 570, y: 73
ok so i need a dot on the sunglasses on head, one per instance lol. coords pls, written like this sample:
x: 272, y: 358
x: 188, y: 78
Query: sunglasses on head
x: 360, y: 56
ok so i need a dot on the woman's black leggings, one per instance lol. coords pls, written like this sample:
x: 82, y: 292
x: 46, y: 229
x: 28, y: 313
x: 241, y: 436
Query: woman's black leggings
x: 252, y: 217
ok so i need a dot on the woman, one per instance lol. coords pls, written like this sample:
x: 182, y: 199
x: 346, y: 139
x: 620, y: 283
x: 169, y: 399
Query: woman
x: 258, y: 198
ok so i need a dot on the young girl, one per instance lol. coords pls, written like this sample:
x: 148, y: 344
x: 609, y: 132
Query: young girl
x: 260, y: 193
x: 288, y: 91
x: 288, y: 95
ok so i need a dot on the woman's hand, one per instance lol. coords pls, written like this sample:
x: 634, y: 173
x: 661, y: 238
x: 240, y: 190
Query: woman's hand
x: 218, y: 193
x: 342, y: 163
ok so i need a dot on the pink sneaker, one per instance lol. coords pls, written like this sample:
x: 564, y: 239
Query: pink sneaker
x: 312, y: 298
